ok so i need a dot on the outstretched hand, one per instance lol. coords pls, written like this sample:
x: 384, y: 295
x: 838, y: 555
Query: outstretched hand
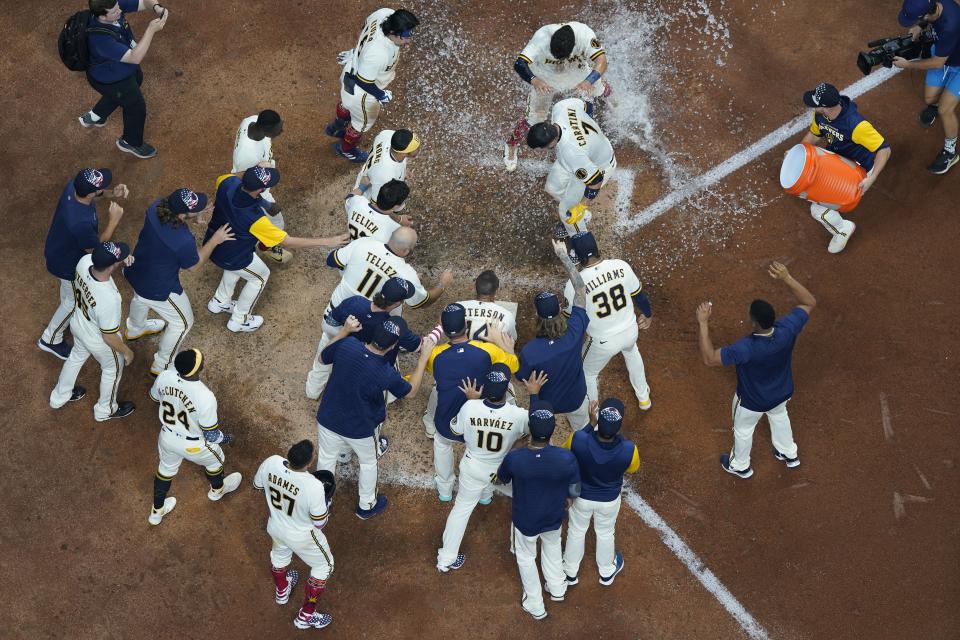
x: 535, y: 382
x: 778, y: 271
x: 470, y: 389
x: 704, y: 311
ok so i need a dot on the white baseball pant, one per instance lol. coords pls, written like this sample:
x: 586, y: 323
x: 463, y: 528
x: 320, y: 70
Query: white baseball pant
x: 256, y: 275
x: 443, y: 464
x: 599, y: 351
x: 428, y: 424
x: 111, y: 368
x: 744, y: 423
x: 53, y: 334
x: 320, y: 372
x: 175, y: 447
x: 475, y: 485
x: 564, y: 187
x: 329, y: 447
x: 176, y: 311
x: 364, y: 109
x: 551, y: 561
x: 310, y: 546
x: 604, y: 516
x: 539, y: 106
x: 831, y: 219
x: 579, y: 417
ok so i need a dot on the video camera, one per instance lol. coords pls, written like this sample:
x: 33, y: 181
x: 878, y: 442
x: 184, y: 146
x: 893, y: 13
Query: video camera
x: 884, y: 50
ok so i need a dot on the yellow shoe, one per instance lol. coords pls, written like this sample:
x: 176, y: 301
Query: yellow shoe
x: 645, y: 405
x: 151, y: 327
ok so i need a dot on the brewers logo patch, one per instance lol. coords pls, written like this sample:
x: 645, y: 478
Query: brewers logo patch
x: 595, y: 43
x: 581, y: 174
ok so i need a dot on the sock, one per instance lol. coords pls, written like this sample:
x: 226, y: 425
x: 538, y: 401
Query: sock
x: 342, y: 113
x: 216, y: 478
x: 519, y: 133
x: 279, y: 577
x: 350, y: 138
x: 94, y: 116
x: 161, y: 485
x: 950, y: 144
x: 314, y: 589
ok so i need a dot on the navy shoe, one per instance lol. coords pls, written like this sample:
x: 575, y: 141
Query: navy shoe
x: 572, y: 580
x: 60, y: 349
x: 456, y: 564
x: 725, y: 465
x: 618, y: 562
x: 376, y: 509
x: 943, y: 162
x: 791, y: 462
x: 335, y: 129
x: 77, y: 394
x: 356, y: 154
x: 144, y: 151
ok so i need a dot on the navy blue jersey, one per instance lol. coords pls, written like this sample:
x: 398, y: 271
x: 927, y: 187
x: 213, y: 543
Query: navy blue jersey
x: 541, y: 485
x: 359, y: 307
x: 562, y: 360
x: 107, y: 50
x: 247, y: 218
x: 72, y: 233
x: 161, y: 251
x: 947, y: 28
x: 602, y: 464
x: 849, y: 135
x: 353, y: 403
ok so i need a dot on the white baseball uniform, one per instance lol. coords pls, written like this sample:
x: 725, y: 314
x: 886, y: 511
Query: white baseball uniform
x: 187, y: 409
x: 298, y: 512
x: 380, y: 167
x: 372, y: 60
x: 561, y: 75
x: 364, y: 221
x: 98, y: 311
x: 489, y: 432
x: 610, y: 285
x: 367, y: 263
x: 583, y: 154
x: 480, y: 313
x: 249, y: 153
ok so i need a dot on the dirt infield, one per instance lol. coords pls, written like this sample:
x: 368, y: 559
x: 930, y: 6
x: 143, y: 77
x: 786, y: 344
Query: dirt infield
x: 861, y: 541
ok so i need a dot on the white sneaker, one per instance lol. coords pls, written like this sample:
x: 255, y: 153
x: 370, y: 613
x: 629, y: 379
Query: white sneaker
x: 252, y: 324
x: 510, y: 155
x: 150, y: 327
x: 840, y: 240
x: 230, y: 483
x: 215, y: 306
x: 157, y: 516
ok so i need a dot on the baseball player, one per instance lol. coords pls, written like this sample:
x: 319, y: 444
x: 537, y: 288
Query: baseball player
x: 614, y: 294
x: 96, y: 332
x: 299, y: 506
x: 560, y: 58
x: 368, y: 69
x: 544, y: 477
x: 603, y: 456
x: 490, y: 427
x: 461, y: 357
x: 240, y: 204
x: 388, y: 161
x: 583, y: 165
x: 254, y: 146
x: 377, y: 218
x: 189, y: 429
x: 74, y: 233
x: 844, y: 131
x: 166, y: 246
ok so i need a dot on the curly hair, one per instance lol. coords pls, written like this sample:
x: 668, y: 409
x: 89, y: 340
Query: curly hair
x: 166, y: 216
x: 551, y: 328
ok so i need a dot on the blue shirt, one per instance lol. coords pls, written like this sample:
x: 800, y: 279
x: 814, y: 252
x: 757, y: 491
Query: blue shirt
x: 541, y: 485
x: 106, y: 50
x: 602, y: 464
x: 947, y: 28
x: 72, y: 232
x: 161, y: 252
x: 764, y: 378
x: 359, y: 307
x: 849, y: 134
x: 562, y: 360
x: 240, y: 210
x: 353, y: 404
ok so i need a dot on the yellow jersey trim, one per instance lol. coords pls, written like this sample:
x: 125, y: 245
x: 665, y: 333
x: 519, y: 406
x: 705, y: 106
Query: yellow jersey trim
x: 267, y: 232
x: 866, y: 136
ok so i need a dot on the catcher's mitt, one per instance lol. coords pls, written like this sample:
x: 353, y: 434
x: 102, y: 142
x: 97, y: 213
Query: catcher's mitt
x: 329, y: 483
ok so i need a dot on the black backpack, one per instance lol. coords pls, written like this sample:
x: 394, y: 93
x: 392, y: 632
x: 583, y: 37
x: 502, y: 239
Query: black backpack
x: 72, y: 43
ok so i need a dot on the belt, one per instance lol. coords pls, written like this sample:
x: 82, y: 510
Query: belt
x: 180, y: 435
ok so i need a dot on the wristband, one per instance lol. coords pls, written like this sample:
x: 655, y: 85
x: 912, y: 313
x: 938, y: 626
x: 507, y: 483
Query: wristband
x: 593, y: 77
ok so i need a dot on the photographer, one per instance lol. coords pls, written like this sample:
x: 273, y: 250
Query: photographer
x: 942, y: 90
x: 845, y: 132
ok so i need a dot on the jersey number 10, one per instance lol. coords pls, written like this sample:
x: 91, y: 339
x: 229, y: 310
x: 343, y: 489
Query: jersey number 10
x: 490, y: 440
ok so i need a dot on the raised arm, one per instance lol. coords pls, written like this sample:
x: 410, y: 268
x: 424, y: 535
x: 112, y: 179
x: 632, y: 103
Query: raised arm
x: 709, y: 353
x: 579, y: 288
x: 805, y: 299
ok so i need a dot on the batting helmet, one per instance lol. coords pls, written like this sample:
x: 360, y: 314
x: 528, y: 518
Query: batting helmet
x: 329, y: 483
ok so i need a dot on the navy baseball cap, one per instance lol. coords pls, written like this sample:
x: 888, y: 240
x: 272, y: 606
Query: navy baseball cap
x: 542, y: 422
x: 548, y: 305
x: 187, y: 201
x: 496, y: 381
x: 913, y: 10
x: 610, y: 417
x: 396, y: 290
x: 825, y: 95
x: 260, y: 178
x: 584, y: 245
x: 387, y: 334
x: 453, y: 319
x: 107, y: 254
x: 91, y: 180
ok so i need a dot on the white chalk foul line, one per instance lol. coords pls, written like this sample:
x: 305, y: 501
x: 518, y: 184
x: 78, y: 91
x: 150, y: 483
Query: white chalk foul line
x: 693, y: 563
x: 741, y: 158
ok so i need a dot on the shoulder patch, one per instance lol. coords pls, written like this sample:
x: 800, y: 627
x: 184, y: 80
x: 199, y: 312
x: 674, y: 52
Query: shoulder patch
x: 595, y: 43
x: 581, y: 174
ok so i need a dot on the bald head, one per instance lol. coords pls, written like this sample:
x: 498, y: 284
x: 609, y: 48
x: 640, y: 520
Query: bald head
x: 402, y: 241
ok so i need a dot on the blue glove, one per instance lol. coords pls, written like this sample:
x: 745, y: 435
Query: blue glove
x: 227, y: 438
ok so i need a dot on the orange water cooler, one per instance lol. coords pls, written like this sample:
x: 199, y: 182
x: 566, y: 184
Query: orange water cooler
x: 821, y: 176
